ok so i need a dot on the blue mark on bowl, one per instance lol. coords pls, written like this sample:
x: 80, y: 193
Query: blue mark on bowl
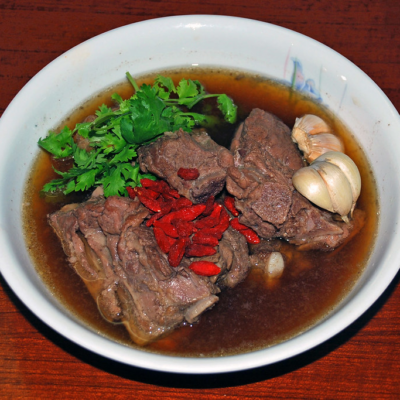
x: 300, y: 83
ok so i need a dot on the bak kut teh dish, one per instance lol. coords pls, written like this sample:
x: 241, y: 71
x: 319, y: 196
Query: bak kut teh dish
x: 207, y: 213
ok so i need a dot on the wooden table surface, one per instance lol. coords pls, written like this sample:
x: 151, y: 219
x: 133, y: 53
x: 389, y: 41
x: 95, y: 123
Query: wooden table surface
x: 361, y: 362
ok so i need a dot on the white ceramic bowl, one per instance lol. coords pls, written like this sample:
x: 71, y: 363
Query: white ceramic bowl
x: 207, y: 41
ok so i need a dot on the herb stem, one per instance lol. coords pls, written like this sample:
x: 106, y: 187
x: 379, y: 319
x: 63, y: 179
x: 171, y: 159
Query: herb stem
x: 132, y: 82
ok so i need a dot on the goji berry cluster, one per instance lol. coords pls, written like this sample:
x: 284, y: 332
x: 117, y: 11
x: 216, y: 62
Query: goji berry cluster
x: 183, y: 229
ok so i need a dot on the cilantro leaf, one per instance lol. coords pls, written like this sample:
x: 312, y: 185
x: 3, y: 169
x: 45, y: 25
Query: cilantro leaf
x: 111, y: 143
x: 187, y: 88
x: 86, y: 180
x: 127, y: 129
x: 54, y: 185
x: 164, y: 87
x: 116, y: 97
x: 103, y: 110
x: 126, y: 154
x: 114, y: 184
x: 228, y: 109
x: 115, y: 134
x: 60, y: 145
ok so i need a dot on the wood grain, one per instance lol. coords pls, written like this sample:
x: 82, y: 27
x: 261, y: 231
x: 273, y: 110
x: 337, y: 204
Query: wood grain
x: 361, y: 362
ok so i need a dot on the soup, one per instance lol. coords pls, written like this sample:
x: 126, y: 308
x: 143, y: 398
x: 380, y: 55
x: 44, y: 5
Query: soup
x: 257, y: 313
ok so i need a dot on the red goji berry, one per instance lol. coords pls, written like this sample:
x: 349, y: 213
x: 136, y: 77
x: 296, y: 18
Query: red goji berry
x: 164, y: 242
x: 160, y: 187
x: 247, y: 232
x: 174, y: 193
x: 208, y: 240
x: 156, y: 186
x: 168, y: 229
x: 146, y: 192
x: 146, y: 182
x: 235, y: 224
x: 148, y: 202
x: 250, y: 236
x: 153, y: 218
x: 151, y: 204
x: 177, y: 251
x: 210, y: 221
x: 184, y: 228
x: 204, y: 268
x: 186, y: 214
x: 229, y: 203
x: 182, y: 202
x: 151, y: 193
x: 165, y: 209
x: 163, y: 187
x: 224, y: 218
x: 199, y: 250
x: 216, y: 211
x: 131, y: 192
x: 209, y: 206
x: 216, y: 232
x: 188, y: 174
x: 206, y: 223
x: 166, y: 206
x: 167, y: 196
x: 222, y: 226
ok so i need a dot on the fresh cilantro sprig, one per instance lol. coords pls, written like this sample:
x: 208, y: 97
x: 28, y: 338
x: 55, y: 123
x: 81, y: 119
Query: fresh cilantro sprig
x: 114, y: 136
x: 190, y: 93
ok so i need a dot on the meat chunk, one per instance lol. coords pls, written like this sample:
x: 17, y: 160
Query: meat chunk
x: 125, y: 271
x: 232, y: 257
x: 274, y: 135
x: 180, y: 149
x: 265, y: 159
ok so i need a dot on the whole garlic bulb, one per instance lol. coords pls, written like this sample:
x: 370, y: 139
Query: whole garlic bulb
x: 314, y: 137
x: 332, y: 182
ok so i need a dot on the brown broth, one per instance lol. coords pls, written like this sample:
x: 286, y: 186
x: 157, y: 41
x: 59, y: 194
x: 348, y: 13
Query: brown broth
x: 257, y: 313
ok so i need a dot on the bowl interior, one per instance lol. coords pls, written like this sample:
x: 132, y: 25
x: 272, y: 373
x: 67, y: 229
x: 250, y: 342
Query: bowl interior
x: 172, y: 42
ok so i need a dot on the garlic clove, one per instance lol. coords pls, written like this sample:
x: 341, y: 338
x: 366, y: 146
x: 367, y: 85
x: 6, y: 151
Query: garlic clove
x: 310, y: 184
x: 314, y: 137
x: 275, y: 265
x: 301, y: 138
x: 323, y: 143
x: 349, y: 168
x: 311, y: 124
x: 338, y: 186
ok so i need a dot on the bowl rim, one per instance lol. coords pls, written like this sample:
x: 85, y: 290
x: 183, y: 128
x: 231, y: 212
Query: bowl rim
x: 67, y: 327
